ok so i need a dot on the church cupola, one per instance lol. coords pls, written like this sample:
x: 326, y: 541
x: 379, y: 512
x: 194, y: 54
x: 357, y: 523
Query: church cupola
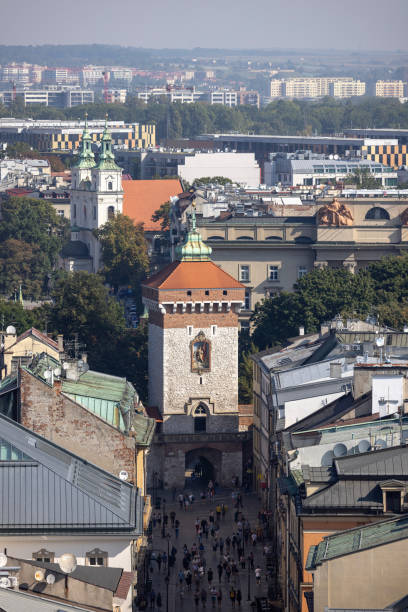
x: 107, y: 158
x: 193, y: 247
x: 86, y: 157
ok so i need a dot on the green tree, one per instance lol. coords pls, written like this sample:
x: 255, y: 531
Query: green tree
x: 389, y: 278
x: 218, y: 180
x: 31, y: 237
x: 319, y: 296
x: 83, y: 306
x: 13, y: 313
x: 162, y: 214
x: 363, y: 179
x: 124, y: 251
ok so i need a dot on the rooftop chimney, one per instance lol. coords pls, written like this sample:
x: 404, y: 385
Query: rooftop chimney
x: 60, y: 340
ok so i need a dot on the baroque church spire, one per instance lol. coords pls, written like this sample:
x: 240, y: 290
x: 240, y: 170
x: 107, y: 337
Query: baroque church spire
x: 86, y: 156
x: 107, y: 158
x: 193, y: 247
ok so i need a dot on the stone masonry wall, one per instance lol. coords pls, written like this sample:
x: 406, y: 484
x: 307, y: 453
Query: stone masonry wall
x: 50, y: 414
x: 220, y: 385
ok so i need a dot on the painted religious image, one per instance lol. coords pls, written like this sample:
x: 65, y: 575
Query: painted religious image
x: 200, y: 353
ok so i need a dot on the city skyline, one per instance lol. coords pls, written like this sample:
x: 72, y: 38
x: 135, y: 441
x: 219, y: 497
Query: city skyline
x: 364, y: 26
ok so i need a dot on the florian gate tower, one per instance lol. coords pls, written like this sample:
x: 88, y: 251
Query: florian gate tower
x: 193, y: 366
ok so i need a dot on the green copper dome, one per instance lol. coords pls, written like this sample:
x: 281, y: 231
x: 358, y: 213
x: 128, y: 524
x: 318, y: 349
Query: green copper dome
x: 193, y: 247
x: 107, y: 158
x: 86, y: 156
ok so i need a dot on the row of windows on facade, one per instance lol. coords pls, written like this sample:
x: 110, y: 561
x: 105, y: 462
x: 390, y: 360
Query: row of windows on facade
x: 272, y: 273
x: 94, y: 557
x: 111, y: 212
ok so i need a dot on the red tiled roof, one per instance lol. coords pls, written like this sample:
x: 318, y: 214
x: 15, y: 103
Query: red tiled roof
x: 154, y: 413
x: 142, y: 198
x: 192, y: 275
x: 40, y: 336
x: 124, y: 585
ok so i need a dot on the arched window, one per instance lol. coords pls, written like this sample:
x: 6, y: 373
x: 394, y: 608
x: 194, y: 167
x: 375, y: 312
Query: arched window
x: 110, y: 186
x: 111, y: 212
x: 273, y: 238
x: 200, y: 419
x: 377, y: 213
x: 245, y: 238
x: 216, y: 238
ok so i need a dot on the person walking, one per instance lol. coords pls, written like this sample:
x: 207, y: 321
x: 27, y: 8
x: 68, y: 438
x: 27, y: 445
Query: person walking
x: 213, y: 592
x: 152, y: 598
x: 239, y: 597
x: 218, y: 512
x: 172, y: 517
x: 258, y: 572
x: 159, y: 601
x: 219, y: 597
x: 232, y: 596
x: 210, y: 575
x: 203, y: 596
x: 177, y: 527
x: 196, y: 598
x: 159, y: 561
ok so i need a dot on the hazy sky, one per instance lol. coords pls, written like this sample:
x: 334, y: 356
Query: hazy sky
x: 341, y: 24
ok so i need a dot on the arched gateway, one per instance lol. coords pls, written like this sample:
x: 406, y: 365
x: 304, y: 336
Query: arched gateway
x: 193, y: 310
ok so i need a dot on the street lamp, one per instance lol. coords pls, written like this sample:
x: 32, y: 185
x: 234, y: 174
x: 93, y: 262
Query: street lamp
x: 249, y: 581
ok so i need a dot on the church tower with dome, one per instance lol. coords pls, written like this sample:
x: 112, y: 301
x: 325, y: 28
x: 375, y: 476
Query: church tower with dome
x: 96, y: 196
x: 193, y: 308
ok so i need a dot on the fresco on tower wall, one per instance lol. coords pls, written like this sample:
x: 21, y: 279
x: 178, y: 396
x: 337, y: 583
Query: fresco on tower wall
x: 200, y: 353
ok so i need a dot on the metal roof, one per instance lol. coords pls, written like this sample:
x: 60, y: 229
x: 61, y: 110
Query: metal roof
x: 16, y: 601
x: 56, y: 489
x: 354, y: 540
x: 103, y: 577
x: 359, y: 478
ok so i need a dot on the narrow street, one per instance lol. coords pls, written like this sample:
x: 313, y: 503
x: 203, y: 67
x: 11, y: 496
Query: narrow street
x: 179, y: 597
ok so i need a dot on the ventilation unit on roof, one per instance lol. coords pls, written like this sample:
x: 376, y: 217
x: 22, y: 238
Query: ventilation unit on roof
x: 364, y: 446
x: 380, y: 443
x: 340, y: 450
x: 327, y: 459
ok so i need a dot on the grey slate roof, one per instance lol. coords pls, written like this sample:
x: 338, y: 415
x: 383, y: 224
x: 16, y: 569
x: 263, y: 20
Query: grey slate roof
x: 16, y: 601
x: 56, y: 490
x: 359, y: 478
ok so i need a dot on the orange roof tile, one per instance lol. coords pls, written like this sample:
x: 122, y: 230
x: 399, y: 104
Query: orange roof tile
x: 142, y: 198
x: 192, y: 275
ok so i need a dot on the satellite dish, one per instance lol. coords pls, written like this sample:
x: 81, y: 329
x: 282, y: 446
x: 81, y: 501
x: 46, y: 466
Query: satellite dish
x: 68, y: 563
x: 57, y: 372
x: 3, y: 560
x: 327, y: 459
x: 5, y: 583
x: 47, y: 374
x: 380, y: 443
x: 380, y: 341
x: 50, y: 579
x: 11, y: 330
x: 364, y: 446
x: 39, y: 576
x: 123, y: 475
x: 65, y: 365
x: 340, y: 450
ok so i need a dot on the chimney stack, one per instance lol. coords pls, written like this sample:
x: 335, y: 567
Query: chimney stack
x: 60, y: 340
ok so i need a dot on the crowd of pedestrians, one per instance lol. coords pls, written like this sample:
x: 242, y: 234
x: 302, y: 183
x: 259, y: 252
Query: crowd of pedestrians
x: 208, y: 569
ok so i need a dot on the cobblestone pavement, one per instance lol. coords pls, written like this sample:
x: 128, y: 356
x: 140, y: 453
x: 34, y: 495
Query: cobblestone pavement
x: 187, y: 535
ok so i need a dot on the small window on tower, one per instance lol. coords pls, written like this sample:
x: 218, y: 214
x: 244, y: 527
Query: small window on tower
x: 84, y: 212
x: 110, y: 186
x: 74, y: 210
x: 207, y: 292
x: 225, y: 292
x: 111, y: 212
x: 190, y: 330
x: 213, y: 329
x: 188, y: 292
x: 94, y: 212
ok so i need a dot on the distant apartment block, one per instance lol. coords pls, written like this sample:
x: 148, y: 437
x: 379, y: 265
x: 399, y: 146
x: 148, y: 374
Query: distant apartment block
x: 116, y: 96
x: 60, y: 76
x: 226, y: 97
x: 66, y: 135
x: 316, y: 87
x: 57, y: 98
x: 390, y: 89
